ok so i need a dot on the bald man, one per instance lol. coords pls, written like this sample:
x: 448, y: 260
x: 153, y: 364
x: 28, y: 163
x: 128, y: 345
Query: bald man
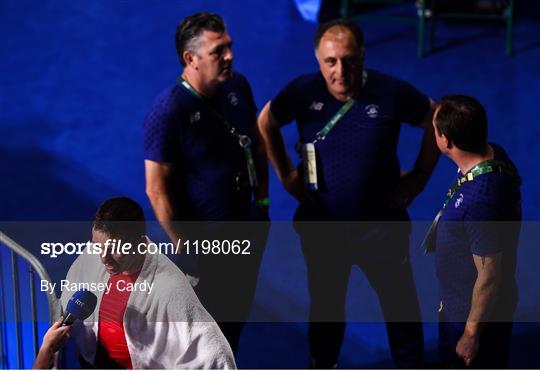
x: 348, y: 121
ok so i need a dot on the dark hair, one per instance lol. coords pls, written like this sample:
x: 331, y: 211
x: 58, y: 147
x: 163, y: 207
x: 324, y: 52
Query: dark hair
x: 189, y: 30
x: 120, y: 217
x: 351, y: 26
x: 463, y: 121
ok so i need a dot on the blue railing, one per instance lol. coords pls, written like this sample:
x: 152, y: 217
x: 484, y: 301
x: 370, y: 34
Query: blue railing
x: 15, y: 330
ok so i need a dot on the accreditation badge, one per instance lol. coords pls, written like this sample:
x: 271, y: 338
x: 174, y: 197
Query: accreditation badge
x: 309, y: 160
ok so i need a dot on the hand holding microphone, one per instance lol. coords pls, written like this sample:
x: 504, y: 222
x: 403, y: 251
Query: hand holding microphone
x: 55, y: 337
x: 81, y: 305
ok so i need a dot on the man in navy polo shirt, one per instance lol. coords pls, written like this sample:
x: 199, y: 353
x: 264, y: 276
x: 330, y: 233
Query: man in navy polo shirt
x: 476, y: 240
x: 348, y: 122
x: 204, y: 161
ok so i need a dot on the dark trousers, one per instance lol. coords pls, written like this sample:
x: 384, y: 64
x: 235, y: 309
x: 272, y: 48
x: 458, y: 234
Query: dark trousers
x: 226, y: 289
x: 384, y: 260
x: 227, y: 282
x: 494, y: 345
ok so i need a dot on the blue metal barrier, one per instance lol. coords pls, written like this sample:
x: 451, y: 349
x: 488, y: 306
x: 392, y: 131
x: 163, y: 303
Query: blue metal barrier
x: 14, y: 345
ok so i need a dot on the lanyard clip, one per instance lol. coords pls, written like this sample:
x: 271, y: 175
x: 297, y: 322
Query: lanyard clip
x: 319, y: 138
x: 244, y: 141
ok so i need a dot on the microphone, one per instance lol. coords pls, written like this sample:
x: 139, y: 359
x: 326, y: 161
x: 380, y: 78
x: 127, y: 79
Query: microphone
x: 81, y: 305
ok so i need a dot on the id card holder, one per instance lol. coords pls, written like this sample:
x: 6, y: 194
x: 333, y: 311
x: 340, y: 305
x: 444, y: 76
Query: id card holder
x: 310, y: 165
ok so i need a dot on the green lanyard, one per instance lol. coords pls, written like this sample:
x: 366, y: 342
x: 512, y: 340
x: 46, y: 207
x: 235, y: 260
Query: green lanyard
x: 243, y: 140
x: 321, y: 135
x: 484, y: 167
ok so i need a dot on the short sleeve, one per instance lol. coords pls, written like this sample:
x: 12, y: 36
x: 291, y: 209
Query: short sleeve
x: 248, y: 94
x: 484, y: 231
x: 284, y: 104
x: 412, y: 104
x: 160, y: 134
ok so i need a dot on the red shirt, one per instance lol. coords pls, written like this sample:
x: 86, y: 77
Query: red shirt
x: 112, y: 350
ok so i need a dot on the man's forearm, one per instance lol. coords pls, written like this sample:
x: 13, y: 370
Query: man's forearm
x: 278, y: 154
x: 44, y: 359
x: 273, y: 141
x: 429, y: 153
x: 483, y: 296
x: 261, y: 165
x: 164, y: 209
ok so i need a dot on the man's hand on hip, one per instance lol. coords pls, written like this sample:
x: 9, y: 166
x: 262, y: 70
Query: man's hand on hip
x: 295, y: 186
x: 467, y: 348
x: 410, y: 186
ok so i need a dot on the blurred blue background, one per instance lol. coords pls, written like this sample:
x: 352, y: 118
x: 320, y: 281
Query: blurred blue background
x: 78, y: 77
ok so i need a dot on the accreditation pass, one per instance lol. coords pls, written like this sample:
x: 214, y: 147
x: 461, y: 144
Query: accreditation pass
x: 309, y: 160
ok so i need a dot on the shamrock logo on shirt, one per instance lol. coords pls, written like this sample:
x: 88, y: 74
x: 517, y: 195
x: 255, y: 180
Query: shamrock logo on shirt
x: 372, y: 110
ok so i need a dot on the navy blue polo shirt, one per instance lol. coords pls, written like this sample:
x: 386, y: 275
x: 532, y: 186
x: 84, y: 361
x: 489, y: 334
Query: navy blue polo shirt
x: 357, y: 163
x: 482, y: 218
x: 180, y: 128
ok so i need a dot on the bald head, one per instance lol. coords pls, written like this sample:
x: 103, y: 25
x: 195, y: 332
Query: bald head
x: 340, y: 29
x: 342, y: 36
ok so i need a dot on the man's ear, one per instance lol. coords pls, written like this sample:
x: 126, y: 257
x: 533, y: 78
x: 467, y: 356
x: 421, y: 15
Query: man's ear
x: 444, y: 139
x: 447, y: 143
x: 189, y: 58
